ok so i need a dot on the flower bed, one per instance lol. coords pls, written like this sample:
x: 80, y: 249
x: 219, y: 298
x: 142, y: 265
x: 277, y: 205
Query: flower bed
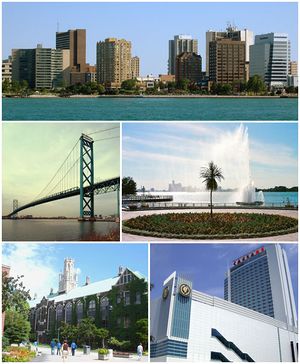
x: 202, y: 226
x: 17, y: 354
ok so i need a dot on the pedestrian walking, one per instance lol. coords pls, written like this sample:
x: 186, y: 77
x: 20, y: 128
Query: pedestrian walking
x: 36, y: 349
x: 65, y: 350
x: 58, y: 345
x: 140, y: 350
x: 53, y: 346
x: 73, y: 347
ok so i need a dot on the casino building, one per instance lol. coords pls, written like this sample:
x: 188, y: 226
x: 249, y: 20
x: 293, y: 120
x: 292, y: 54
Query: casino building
x: 189, y: 325
x: 115, y: 303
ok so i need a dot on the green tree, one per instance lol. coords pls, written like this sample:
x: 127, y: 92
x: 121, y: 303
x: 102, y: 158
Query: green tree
x: 68, y: 332
x: 101, y: 335
x: 100, y: 89
x: 211, y: 175
x: 142, y: 331
x: 17, y: 327
x: 256, y: 84
x: 128, y: 186
x: 5, y: 86
x: 183, y: 84
x: 87, y: 330
x: 14, y: 293
x: 129, y: 85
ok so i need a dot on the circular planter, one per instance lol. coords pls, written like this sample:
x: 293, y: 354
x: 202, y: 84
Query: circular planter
x: 201, y: 226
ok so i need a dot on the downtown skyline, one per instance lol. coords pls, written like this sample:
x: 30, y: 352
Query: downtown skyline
x: 145, y: 43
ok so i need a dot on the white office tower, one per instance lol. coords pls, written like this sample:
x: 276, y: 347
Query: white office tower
x: 187, y: 325
x: 68, y: 279
x: 261, y: 281
x: 178, y: 45
x: 231, y: 32
x: 270, y: 58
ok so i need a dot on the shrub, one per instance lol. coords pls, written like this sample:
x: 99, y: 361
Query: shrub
x: 17, y: 354
x: 103, y: 351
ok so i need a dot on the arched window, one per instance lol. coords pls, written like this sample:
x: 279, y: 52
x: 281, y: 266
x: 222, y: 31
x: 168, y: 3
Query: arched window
x: 59, y: 313
x: 68, y: 311
x: 79, y: 310
x: 104, y: 311
x: 92, y: 309
x: 51, y: 318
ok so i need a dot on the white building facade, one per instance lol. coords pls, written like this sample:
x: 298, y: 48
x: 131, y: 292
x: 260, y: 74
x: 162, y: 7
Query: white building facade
x: 195, y: 327
x: 180, y: 44
x: 270, y: 58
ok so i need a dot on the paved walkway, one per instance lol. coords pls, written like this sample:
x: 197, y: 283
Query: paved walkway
x: 287, y: 237
x: 80, y: 357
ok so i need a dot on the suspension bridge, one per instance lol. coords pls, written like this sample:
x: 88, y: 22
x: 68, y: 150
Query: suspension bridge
x: 75, y: 177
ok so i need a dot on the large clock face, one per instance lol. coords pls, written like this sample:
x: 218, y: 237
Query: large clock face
x: 184, y: 290
x: 165, y: 292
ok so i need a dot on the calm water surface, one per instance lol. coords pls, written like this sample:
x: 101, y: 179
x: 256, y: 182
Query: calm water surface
x: 150, y: 109
x: 53, y: 230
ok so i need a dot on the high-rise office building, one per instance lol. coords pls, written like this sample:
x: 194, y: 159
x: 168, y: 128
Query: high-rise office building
x: 42, y: 68
x: 75, y: 41
x: 227, y: 61
x: 293, y: 68
x: 270, y: 57
x: 261, y: 281
x: 189, y: 67
x: 178, y: 45
x: 135, y: 67
x: 231, y: 32
x: 113, y: 61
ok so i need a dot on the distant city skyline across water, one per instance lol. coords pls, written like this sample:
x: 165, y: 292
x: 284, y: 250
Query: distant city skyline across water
x: 131, y: 22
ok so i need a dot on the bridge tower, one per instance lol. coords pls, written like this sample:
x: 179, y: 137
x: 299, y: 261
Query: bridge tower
x: 86, y: 177
x: 15, y: 206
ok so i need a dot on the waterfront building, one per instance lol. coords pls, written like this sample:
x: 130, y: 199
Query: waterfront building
x: 189, y: 67
x: 270, y: 59
x: 115, y: 303
x: 7, y: 69
x: 261, y: 281
x: 113, y: 62
x: 166, y: 78
x: 233, y: 33
x: 42, y: 68
x: 227, y: 61
x: 147, y: 82
x: 135, y: 67
x: 175, y: 187
x: 178, y: 45
x: 189, y: 325
x: 293, y: 68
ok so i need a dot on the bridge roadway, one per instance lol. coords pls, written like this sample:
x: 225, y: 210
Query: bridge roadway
x: 106, y: 186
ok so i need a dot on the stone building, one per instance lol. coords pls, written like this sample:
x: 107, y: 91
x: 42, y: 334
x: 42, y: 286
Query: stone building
x: 115, y: 303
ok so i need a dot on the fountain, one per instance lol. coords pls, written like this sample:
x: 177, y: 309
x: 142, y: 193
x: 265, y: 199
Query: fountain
x: 232, y: 154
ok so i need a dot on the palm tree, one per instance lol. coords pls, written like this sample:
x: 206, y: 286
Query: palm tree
x: 211, y: 175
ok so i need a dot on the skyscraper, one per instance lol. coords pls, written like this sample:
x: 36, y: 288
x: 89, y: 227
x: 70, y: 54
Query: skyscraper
x: 227, y: 61
x: 270, y: 57
x: 180, y: 44
x: 261, y: 281
x: 113, y: 61
x: 231, y: 32
x: 75, y: 41
x: 135, y: 67
x: 188, y: 66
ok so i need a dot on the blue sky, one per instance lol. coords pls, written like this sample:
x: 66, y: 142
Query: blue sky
x: 206, y: 264
x: 41, y: 263
x: 148, y: 25
x: 155, y: 154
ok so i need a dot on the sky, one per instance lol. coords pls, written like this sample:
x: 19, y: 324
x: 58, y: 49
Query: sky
x: 41, y: 263
x: 33, y: 152
x: 155, y: 154
x: 148, y: 25
x: 205, y: 264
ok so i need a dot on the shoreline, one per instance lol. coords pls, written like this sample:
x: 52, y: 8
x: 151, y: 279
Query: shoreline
x: 50, y: 96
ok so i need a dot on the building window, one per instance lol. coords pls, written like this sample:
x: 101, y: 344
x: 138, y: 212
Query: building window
x: 118, y: 298
x: 68, y: 312
x: 79, y: 311
x: 51, y: 318
x: 127, y: 298
x: 59, y: 313
x: 92, y: 309
x: 138, y: 298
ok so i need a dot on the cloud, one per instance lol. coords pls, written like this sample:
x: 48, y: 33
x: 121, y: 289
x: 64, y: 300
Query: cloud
x: 36, y: 263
